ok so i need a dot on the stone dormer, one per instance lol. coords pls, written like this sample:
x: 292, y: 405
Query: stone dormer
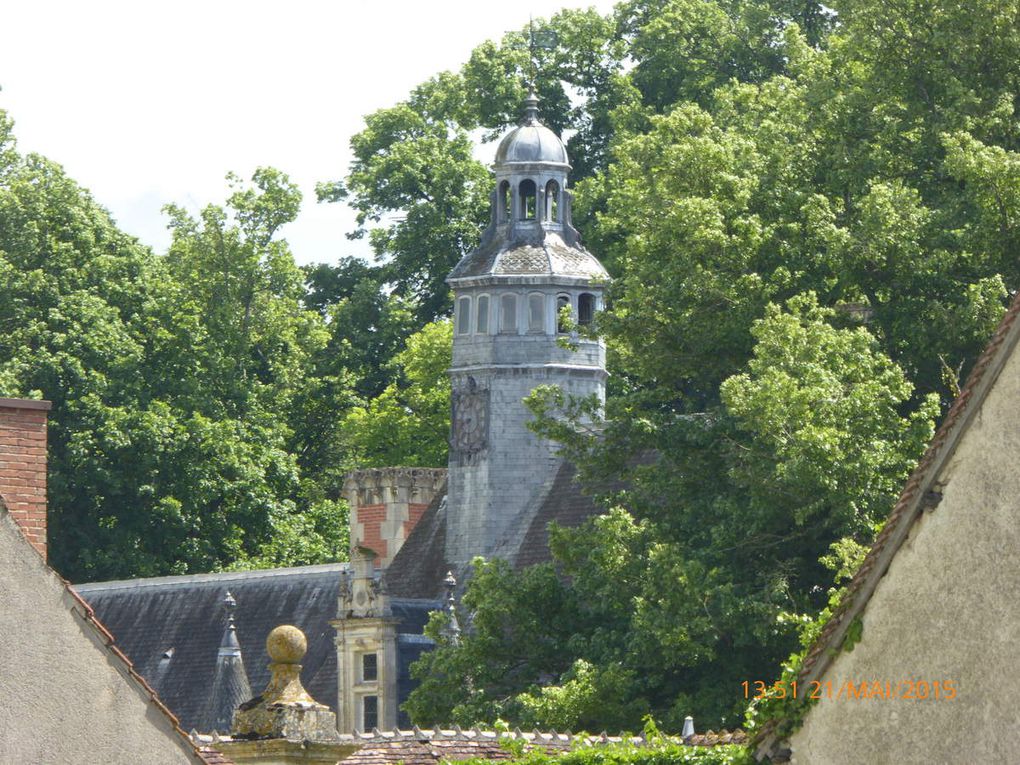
x: 366, y: 649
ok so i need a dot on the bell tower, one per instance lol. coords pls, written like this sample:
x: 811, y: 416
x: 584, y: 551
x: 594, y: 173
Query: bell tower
x: 509, y: 294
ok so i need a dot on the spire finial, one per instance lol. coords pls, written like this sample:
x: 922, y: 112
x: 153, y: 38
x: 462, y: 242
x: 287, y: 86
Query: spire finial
x: 229, y: 645
x: 452, y: 629
x: 530, y: 109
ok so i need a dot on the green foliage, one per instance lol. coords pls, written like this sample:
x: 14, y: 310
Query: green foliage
x: 172, y: 378
x: 663, y: 752
x: 409, y: 422
x: 415, y: 159
x: 674, y: 602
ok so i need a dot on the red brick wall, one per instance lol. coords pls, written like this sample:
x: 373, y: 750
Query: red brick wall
x: 23, y: 465
x: 371, y: 518
x: 414, y: 511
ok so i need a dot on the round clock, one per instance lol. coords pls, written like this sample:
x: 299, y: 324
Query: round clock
x: 470, y: 420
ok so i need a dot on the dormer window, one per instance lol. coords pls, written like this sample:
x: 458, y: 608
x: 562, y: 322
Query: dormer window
x: 552, y: 202
x: 528, y: 199
x: 369, y: 667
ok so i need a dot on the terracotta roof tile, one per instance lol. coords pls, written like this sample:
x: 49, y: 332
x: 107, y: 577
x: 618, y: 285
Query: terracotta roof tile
x: 428, y: 747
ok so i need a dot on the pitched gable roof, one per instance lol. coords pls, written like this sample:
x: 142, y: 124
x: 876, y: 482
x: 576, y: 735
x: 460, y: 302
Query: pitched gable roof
x: 419, y: 567
x: 172, y: 627
x: 919, y: 492
x: 28, y: 561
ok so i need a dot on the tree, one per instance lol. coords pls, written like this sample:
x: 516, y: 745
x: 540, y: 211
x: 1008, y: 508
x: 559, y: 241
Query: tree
x: 811, y: 228
x: 673, y: 598
x: 414, y: 160
x: 172, y: 378
x: 409, y: 422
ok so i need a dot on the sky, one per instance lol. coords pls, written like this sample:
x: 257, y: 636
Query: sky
x: 147, y: 103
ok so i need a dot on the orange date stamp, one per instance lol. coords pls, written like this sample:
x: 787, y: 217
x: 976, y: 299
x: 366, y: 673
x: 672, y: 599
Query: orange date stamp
x: 863, y: 690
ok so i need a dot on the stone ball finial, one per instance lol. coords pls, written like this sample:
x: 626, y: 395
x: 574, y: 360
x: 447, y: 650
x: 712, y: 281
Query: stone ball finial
x: 286, y: 644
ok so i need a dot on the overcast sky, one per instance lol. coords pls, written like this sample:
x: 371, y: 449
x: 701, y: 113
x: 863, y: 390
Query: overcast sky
x: 146, y: 103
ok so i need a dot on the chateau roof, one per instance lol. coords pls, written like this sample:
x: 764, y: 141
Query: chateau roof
x: 417, y: 570
x: 546, y: 255
x: 171, y: 628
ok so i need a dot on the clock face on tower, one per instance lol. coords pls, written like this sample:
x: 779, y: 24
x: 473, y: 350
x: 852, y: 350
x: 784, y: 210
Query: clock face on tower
x: 470, y: 420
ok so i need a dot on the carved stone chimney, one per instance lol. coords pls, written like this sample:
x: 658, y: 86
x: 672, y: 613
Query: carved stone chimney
x: 386, y: 503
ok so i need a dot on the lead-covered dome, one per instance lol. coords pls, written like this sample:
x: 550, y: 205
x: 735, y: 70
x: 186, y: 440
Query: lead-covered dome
x: 531, y: 141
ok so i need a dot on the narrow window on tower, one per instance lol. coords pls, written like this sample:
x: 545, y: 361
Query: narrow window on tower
x: 369, y: 713
x: 585, y: 309
x: 482, y: 326
x: 508, y: 314
x: 536, y: 312
x: 552, y: 201
x: 562, y: 301
x: 503, y: 202
x: 369, y: 667
x: 528, y: 199
x: 464, y: 316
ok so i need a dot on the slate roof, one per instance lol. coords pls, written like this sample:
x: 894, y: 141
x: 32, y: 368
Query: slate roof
x: 916, y: 495
x: 544, y: 253
x: 564, y: 504
x: 418, y: 568
x: 82, y: 609
x: 531, y: 142
x: 171, y: 628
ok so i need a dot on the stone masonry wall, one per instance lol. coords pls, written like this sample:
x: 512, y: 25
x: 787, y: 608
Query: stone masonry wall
x: 386, y: 503
x: 23, y: 466
x: 492, y: 495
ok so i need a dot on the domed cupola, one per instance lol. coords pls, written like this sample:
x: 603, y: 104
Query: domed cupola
x: 530, y: 231
x: 531, y: 141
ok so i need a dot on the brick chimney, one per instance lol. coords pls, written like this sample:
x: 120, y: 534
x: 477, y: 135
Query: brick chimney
x: 23, y: 465
x: 386, y: 503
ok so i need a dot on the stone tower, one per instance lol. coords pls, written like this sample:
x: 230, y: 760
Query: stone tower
x: 508, y: 297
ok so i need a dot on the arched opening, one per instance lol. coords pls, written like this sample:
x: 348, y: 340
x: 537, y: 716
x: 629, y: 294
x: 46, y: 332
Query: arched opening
x: 585, y: 309
x: 508, y: 314
x: 503, y: 202
x: 482, y: 324
x: 552, y: 201
x: 528, y: 199
x: 464, y: 315
x: 562, y: 316
x: 536, y: 312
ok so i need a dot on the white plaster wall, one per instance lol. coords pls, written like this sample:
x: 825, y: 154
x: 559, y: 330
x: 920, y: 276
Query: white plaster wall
x: 63, y: 697
x: 948, y: 609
